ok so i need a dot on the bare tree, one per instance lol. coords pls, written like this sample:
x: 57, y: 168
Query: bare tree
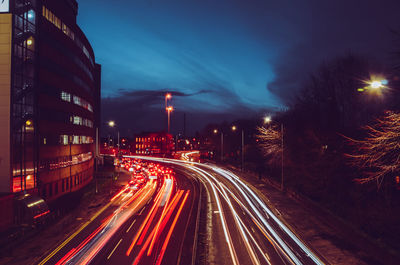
x: 378, y: 155
x: 269, y: 140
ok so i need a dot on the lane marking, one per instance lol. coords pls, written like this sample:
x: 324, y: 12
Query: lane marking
x: 119, y: 242
x: 131, y: 225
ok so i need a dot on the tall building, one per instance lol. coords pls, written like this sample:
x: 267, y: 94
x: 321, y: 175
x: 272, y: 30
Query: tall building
x: 49, y: 99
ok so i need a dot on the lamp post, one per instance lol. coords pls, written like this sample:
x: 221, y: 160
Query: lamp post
x: 222, y: 143
x: 112, y: 124
x: 168, y: 96
x: 234, y: 128
x: 169, y: 109
x: 97, y: 157
x: 267, y: 120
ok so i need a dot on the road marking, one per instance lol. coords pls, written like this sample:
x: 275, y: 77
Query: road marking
x: 253, y: 230
x: 131, y: 225
x: 142, y: 211
x: 119, y: 242
x: 216, y: 211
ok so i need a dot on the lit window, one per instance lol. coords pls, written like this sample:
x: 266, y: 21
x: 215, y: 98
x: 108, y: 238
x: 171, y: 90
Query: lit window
x: 64, y: 139
x: 77, y: 101
x: 66, y: 96
x: 77, y: 120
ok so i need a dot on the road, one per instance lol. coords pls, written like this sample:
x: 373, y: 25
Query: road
x: 159, y: 224
x: 152, y: 225
x: 242, y: 229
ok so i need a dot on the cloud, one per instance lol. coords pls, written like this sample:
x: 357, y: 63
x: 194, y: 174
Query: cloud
x: 143, y: 110
x: 333, y: 29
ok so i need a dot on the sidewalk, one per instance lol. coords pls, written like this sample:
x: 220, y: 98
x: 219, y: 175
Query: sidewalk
x: 330, y: 237
x: 31, y: 249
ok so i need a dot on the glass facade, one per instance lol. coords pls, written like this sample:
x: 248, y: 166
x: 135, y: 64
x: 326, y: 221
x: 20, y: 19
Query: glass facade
x: 23, y: 109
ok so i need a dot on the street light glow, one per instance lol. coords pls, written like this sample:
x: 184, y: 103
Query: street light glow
x: 234, y: 128
x: 215, y: 131
x: 169, y: 108
x: 376, y: 84
x: 168, y: 96
x: 111, y: 123
x: 267, y: 119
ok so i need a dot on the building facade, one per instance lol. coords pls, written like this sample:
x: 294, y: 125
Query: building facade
x: 153, y: 143
x: 49, y: 99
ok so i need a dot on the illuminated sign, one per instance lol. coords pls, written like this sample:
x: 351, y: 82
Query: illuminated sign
x: 4, y: 6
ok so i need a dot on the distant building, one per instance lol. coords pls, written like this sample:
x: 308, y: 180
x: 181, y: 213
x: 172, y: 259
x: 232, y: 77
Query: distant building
x: 50, y: 100
x: 153, y: 143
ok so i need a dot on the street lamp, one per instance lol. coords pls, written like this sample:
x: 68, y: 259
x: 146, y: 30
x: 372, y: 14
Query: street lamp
x: 234, y: 128
x: 169, y: 109
x: 376, y: 84
x: 222, y: 143
x: 268, y: 120
x: 168, y: 96
x: 112, y: 124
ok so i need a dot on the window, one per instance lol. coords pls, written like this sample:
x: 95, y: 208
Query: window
x: 76, y: 139
x: 77, y: 120
x: 64, y: 139
x: 65, y: 96
x: 77, y: 101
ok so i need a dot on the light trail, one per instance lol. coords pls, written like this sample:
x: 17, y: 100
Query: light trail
x: 164, y: 247
x: 91, y: 246
x: 170, y: 209
x: 258, y: 211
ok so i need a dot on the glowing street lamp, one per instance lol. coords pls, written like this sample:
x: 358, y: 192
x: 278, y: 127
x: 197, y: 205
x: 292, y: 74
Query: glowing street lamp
x: 234, y: 128
x: 222, y: 143
x: 376, y: 84
x: 169, y: 109
x: 112, y: 125
x: 168, y: 96
x: 267, y: 119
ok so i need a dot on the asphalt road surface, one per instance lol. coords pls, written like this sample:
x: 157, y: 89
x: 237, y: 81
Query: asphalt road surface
x: 155, y: 224
x: 242, y: 229
x: 158, y: 224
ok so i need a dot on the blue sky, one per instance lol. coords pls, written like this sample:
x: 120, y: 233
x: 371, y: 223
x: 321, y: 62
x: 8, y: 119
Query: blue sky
x: 224, y: 58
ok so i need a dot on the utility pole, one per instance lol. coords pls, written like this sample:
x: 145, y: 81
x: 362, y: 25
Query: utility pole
x: 242, y: 149
x: 222, y: 146
x: 282, y: 187
x: 97, y: 157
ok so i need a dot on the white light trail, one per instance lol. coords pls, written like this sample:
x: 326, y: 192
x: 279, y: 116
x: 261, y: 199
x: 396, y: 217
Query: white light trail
x: 256, y: 209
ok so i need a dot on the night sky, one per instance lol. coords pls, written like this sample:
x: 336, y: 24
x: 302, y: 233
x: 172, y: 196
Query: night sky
x: 222, y: 59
